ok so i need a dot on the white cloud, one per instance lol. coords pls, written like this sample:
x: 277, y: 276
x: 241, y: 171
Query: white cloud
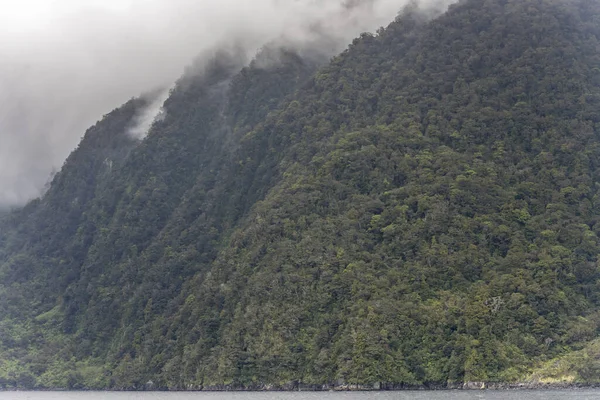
x: 65, y: 63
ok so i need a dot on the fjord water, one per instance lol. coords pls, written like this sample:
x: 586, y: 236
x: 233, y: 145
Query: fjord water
x: 401, y: 395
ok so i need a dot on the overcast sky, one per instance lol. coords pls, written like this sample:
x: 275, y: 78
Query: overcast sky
x: 65, y: 63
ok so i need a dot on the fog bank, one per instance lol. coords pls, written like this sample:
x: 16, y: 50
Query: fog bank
x: 65, y: 63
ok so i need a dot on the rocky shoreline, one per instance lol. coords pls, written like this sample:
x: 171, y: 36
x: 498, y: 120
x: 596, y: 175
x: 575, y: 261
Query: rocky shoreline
x: 384, y: 387
x: 300, y: 387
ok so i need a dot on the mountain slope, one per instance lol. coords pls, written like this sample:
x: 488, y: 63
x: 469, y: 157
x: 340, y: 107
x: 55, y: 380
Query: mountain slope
x: 136, y: 212
x: 422, y: 210
x: 447, y: 231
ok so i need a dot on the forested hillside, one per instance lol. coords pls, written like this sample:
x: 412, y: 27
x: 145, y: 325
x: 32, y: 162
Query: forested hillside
x: 422, y: 209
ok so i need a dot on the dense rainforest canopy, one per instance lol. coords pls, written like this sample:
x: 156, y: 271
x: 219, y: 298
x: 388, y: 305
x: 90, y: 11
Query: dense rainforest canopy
x: 423, y: 208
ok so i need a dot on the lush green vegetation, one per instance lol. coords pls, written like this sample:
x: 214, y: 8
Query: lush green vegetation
x: 422, y: 209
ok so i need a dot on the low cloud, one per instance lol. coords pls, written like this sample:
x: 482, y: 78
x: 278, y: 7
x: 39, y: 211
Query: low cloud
x: 152, y: 112
x: 66, y: 63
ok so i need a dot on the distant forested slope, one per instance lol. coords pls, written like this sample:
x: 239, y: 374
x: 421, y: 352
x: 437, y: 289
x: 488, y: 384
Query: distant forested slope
x: 423, y: 209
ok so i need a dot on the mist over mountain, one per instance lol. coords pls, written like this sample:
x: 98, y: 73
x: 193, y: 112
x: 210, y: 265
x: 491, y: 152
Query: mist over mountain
x: 419, y: 210
x: 66, y: 63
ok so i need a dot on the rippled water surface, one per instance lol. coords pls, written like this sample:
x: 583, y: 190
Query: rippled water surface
x: 407, y: 395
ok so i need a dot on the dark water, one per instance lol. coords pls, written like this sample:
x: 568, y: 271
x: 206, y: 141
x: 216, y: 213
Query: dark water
x: 408, y: 395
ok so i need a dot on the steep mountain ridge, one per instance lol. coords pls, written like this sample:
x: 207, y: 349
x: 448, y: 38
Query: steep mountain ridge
x: 143, y: 201
x: 421, y: 210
